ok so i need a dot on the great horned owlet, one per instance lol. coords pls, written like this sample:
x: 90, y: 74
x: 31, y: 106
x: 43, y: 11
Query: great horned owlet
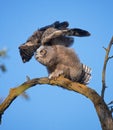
x: 61, y: 60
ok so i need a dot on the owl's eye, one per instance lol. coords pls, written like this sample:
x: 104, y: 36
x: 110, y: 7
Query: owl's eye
x: 43, y: 52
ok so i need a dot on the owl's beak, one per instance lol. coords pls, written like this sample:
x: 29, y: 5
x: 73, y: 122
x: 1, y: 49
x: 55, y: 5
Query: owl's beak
x: 36, y: 56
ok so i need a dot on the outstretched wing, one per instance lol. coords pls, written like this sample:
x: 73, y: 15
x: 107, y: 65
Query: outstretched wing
x: 56, y: 33
x: 33, y: 43
x: 27, y: 49
x: 52, y: 33
x: 76, y: 32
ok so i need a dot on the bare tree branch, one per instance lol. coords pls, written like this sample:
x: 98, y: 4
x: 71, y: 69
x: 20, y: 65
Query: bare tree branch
x: 100, y: 106
x: 110, y: 103
x: 107, y: 57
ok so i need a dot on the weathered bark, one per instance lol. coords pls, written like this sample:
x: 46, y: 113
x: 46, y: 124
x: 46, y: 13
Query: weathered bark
x: 102, y: 110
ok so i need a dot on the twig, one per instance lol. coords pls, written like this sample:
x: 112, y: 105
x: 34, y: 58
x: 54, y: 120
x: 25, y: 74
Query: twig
x: 110, y: 103
x: 104, y: 67
x: 110, y: 57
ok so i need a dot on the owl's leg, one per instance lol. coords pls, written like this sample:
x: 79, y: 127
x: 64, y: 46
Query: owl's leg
x: 55, y: 74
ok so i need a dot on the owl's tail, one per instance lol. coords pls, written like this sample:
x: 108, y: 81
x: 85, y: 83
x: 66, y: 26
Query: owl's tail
x: 86, y: 75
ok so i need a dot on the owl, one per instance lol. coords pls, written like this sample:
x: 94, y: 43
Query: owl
x: 60, y: 60
x: 57, y: 33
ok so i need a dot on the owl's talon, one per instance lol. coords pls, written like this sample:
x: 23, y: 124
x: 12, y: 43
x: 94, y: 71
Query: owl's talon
x: 55, y: 74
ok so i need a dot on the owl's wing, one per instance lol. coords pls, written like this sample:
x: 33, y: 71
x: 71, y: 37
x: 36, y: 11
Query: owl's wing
x: 76, y: 32
x: 56, y: 31
x: 52, y: 33
x: 27, y: 51
x: 32, y: 44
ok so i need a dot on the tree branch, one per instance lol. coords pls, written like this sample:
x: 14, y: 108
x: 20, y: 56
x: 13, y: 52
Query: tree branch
x: 100, y: 106
x: 104, y: 67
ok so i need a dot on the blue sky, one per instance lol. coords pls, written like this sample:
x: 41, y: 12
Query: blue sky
x: 51, y: 107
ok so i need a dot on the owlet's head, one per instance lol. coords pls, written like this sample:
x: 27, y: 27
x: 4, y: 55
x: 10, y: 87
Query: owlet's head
x: 45, y: 55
